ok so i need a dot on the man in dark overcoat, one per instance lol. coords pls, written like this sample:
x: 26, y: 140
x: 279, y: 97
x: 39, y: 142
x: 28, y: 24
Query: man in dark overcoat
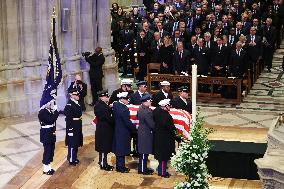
x: 182, y: 100
x: 74, y: 135
x: 164, y: 136
x: 145, y: 134
x: 81, y: 88
x: 122, y: 131
x: 96, y: 62
x: 104, y: 129
x: 47, y: 116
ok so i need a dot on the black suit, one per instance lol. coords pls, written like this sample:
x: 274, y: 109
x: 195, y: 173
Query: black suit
x: 178, y: 103
x: 201, y: 57
x: 96, y: 62
x: 127, y: 45
x: 143, y: 57
x: 155, y: 51
x: 270, y: 35
x: 254, y: 52
x: 181, y: 62
x: 238, y: 63
x: 219, y: 58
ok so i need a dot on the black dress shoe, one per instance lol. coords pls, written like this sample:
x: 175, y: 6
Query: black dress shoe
x: 167, y: 175
x: 52, y: 170
x: 135, y: 154
x: 77, y: 161
x: 72, y: 163
x: 107, y: 168
x: 48, y: 172
x: 122, y: 169
x: 146, y: 172
x: 150, y: 170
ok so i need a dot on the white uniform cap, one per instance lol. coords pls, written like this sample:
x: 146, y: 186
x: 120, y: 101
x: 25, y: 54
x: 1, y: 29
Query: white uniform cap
x: 122, y: 95
x: 165, y: 83
x: 164, y: 102
x: 126, y: 82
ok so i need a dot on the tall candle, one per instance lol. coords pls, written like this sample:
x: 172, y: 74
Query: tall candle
x: 193, y: 93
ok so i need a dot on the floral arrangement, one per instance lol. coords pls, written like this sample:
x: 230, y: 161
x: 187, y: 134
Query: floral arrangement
x: 190, y: 158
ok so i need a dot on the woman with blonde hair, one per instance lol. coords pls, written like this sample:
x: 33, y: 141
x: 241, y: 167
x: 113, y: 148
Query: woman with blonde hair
x: 166, y: 53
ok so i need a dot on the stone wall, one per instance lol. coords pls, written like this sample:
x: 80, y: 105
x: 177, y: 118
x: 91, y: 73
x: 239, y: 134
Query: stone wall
x: 24, y: 46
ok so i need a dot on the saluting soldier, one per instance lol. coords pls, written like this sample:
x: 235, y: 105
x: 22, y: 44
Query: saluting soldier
x: 145, y: 134
x: 81, y: 88
x: 164, y: 136
x: 126, y: 85
x: 47, y: 116
x: 182, y: 101
x: 122, y: 131
x: 104, y: 129
x: 74, y: 135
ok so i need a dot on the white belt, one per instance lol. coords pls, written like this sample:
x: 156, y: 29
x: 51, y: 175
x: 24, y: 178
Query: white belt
x: 47, y: 126
x: 77, y: 118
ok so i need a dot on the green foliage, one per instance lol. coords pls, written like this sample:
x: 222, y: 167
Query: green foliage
x: 191, y: 155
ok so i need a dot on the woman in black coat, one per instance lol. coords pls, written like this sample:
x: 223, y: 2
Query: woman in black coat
x: 104, y: 129
x: 167, y: 53
x: 164, y: 136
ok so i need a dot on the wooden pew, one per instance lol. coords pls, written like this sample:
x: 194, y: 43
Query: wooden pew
x: 201, y: 96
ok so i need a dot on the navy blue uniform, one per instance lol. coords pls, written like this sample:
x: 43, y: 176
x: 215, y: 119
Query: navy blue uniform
x: 47, y: 121
x: 123, y: 129
x: 74, y: 136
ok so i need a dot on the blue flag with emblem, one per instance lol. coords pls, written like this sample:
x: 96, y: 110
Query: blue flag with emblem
x: 54, y: 71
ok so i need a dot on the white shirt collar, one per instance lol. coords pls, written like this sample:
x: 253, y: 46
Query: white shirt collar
x: 183, y: 99
x: 75, y: 101
x: 166, y: 94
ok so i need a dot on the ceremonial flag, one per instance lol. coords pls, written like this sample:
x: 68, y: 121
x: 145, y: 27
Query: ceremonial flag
x: 54, y: 71
x: 180, y: 117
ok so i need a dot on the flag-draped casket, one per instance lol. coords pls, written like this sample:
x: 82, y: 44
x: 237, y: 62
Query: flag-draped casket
x: 181, y: 119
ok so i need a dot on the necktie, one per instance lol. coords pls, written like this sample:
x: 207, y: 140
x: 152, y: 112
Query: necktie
x: 161, y: 34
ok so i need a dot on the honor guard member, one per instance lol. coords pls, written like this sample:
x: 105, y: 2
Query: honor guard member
x: 164, y: 136
x: 74, y: 136
x: 145, y: 134
x: 126, y: 85
x: 81, y: 88
x: 135, y: 99
x: 163, y: 93
x: 182, y: 101
x: 122, y: 131
x: 104, y: 129
x: 47, y: 116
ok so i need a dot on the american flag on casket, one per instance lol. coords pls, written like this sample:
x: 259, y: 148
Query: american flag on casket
x: 181, y: 119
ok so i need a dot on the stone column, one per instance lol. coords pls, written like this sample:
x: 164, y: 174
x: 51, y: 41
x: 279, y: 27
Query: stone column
x: 2, y: 17
x: 111, y: 81
x: 13, y: 31
x: 29, y: 31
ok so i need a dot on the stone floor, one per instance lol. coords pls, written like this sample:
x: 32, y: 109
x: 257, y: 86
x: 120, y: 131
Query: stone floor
x: 19, y: 136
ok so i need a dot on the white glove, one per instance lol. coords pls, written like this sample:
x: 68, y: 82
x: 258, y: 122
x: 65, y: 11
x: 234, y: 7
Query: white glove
x: 54, y: 107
